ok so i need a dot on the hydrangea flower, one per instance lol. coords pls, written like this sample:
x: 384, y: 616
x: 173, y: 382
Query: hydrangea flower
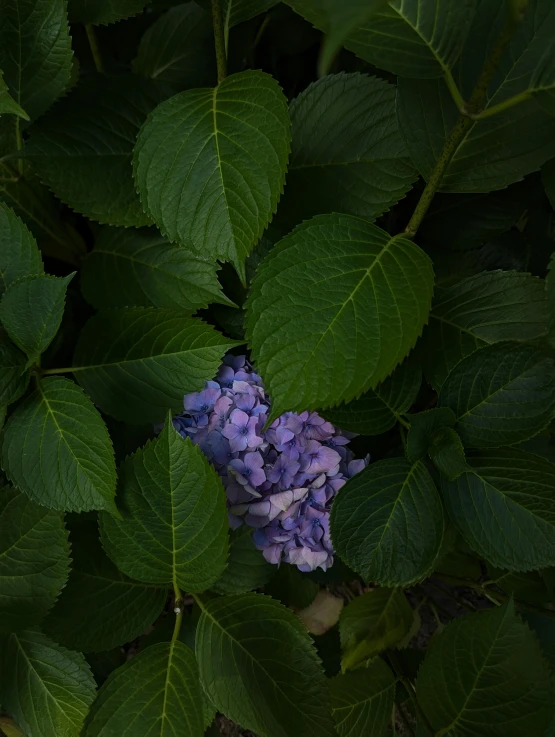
x: 282, y: 481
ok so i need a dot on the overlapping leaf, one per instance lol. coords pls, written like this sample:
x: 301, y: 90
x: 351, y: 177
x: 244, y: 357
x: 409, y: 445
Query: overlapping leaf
x: 278, y: 688
x: 387, y: 523
x: 141, y: 268
x: 157, y: 692
x: 373, y: 622
x: 486, y: 308
x: 103, y: 11
x: 347, y: 153
x: 423, y: 426
x: 362, y: 701
x: 210, y: 164
x: 35, y: 52
x: 246, y: 568
x: 139, y: 362
x: 378, y: 409
x: 47, y: 689
x: 112, y: 609
x: 178, y: 48
x: 485, y: 677
x: 34, y: 560
x: 501, y: 394
x: 19, y: 255
x: 31, y: 311
x: 412, y: 38
x: 83, y: 148
x: 340, y: 294
x: 7, y: 103
x: 504, y: 507
x: 56, y: 449
x: 185, y: 541
x: 13, y: 376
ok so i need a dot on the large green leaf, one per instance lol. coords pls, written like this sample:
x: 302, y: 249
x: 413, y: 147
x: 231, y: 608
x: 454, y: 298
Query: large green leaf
x: 35, y: 52
x: 210, y: 164
x: 130, y: 267
x: 501, y: 394
x: 500, y: 149
x: 347, y: 154
x: 139, y: 362
x: 505, y: 508
x: 103, y: 12
x: 361, y: 702
x: 246, y: 568
x: 19, y: 255
x: 413, y: 38
x: 387, y: 523
x: 485, y: 677
x: 7, y: 103
x: 544, y: 627
x: 423, y: 426
x: 379, y: 409
x: 267, y: 678
x: 155, y: 693
x: 373, y: 622
x: 486, y: 308
x: 47, y: 689
x: 34, y: 560
x: 112, y: 608
x: 13, y: 376
x: 333, y: 308
x: 57, y: 450
x: 178, y: 48
x: 31, y: 311
x: 174, y: 524
x: 83, y: 148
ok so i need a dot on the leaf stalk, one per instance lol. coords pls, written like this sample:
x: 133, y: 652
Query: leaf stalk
x: 219, y: 39
x: 95, y: 48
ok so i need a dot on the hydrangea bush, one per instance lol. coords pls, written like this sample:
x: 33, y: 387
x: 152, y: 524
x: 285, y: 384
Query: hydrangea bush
x: 277, y: 378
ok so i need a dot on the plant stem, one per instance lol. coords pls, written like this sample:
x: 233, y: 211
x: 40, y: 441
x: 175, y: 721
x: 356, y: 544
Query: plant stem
x: 403, y: 422
x: 463, y: 124
x: 65, y: 370
x: 178, y: 610
x: 95, y: 49
x: 219, y: 39
x: 407, y: 683
x: 500, y: 107
x: 454, y: 90
x: 406, y: 725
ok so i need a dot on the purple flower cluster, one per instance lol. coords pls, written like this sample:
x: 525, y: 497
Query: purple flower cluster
x: 281, y: 481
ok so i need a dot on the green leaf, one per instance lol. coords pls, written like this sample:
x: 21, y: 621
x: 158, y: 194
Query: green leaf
x: 362, y: 701
x: 7, y: 103
x: 19, y: 255
x: 278, y: 688
x: 139, y: 362
x: 378, y: 410
x: 178, y: 48
x: 174, y: 524
x: 501, y: 394
x: 486, y: 308
x: 246, y: 568
x: 47, y: 689
x: 363, y: 173
x: 377, y: 297
x: 83, y: 148
x: 293, y: 588
x: 544, y: 628
x: 130, y: 267
x: 102, y: 12
x: 447, y: 453
x: 35, y: 52
x: 526, y: 586
x: 548, y: 179
x: 371, y: 623
x: 423, y: 427
x: 413, y: 38
x: 210, y: 164
x: 497, y: 150
x: 505, y: 509
x: 14, y: 379
x: 31, y: 311
x: 57, y: 449
x: 34, y: 560
x: 485, y: 676
x: 158, y: 689
x: 387, y: 523
x: 100, y: 608
x: 550, y: 291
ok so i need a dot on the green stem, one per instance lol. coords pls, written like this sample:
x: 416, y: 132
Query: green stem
x: 463, y: 125
x: 95, y: 49
x: 178, y: 610
x: 403, y: 422
x: 454, y: 90
x: 501, y: 106
x: 65, y: 370
x: 19, y: 144
x: 219, y: 39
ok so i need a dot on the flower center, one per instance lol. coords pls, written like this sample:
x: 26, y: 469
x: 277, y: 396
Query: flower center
x: 243, y: 431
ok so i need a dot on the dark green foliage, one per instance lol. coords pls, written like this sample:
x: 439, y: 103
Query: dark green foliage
x: 359, y: 195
